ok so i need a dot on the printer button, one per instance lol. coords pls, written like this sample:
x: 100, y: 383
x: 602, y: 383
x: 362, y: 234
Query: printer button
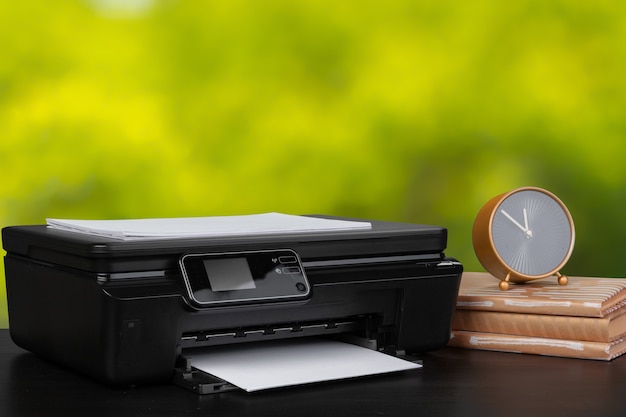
x: 301, y: 287
x: 287, y: 259
x: 291, y: 270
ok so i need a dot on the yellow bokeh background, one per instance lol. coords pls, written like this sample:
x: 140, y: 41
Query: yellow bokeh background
x: 410, y: 110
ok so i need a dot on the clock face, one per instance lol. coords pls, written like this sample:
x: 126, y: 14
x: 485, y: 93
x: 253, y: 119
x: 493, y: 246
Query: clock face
x: 532, y: 233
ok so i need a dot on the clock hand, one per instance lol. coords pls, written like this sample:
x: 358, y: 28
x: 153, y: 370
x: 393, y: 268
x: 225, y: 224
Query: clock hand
x: 526, y: 221
x: 515, y: 222
x: 528, y: 232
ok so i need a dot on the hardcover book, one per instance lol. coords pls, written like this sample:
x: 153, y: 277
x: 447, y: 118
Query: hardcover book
x: 538, y: 345
x: 597, y: 329
x: 582, y: 296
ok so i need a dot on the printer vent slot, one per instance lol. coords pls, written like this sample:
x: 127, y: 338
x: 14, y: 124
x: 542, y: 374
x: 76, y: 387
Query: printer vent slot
x: 282, y: 331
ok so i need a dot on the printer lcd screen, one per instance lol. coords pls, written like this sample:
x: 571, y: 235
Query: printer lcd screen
x: 244, y: 277
x: 229, y: 274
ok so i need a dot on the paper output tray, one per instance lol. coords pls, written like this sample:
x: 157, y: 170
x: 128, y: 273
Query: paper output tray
x: 200, y: 382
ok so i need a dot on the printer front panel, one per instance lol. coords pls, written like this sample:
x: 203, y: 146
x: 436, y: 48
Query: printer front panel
x: 401, y: 306
x: 132, y: 331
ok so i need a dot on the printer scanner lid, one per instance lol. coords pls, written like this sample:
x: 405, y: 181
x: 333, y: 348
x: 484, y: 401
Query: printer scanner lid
x: 104, y: 254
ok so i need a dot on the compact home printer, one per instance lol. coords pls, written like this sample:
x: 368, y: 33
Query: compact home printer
x: 129, y: 312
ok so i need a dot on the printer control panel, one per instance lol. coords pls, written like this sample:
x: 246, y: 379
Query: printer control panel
x: 232, y: 278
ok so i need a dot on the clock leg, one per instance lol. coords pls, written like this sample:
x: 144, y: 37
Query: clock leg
x: 504, y: 284
x: 561, y: 279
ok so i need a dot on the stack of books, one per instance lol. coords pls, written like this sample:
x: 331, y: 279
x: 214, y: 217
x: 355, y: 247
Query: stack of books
x: 584, y: 319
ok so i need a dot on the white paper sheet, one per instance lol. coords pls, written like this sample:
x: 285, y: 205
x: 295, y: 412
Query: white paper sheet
x: 273, y: 364
x: 217, y: 226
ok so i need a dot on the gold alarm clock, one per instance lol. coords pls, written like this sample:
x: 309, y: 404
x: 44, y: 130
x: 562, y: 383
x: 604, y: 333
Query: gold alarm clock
x: 523, y: 235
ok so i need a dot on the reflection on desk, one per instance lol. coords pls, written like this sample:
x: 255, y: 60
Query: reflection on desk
x: 453, y: 382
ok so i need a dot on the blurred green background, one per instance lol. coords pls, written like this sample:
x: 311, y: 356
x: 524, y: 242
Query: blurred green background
x: 412, y: 111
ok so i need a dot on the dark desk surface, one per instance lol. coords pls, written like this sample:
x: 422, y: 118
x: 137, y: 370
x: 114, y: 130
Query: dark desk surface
x: 453, y: 382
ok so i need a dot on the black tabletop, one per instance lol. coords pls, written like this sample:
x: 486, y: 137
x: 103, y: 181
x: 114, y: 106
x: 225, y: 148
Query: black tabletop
x: 453, y: 382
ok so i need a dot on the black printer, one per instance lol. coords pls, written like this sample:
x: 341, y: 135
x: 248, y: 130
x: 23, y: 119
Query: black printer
x: 128, y: 312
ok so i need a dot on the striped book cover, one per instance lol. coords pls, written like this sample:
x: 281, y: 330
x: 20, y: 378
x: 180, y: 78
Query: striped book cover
x: 582, y: 296
x: 578, y: 349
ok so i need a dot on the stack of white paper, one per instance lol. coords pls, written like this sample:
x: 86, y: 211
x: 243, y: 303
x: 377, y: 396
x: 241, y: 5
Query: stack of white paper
x: 218, y: 226
x: 274, y: 364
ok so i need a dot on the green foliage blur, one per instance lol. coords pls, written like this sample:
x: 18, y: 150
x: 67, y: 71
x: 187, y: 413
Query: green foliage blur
x: 404, y: 110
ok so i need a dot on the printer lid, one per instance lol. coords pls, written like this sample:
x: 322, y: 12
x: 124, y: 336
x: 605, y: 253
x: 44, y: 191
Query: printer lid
x: 104, y: 254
